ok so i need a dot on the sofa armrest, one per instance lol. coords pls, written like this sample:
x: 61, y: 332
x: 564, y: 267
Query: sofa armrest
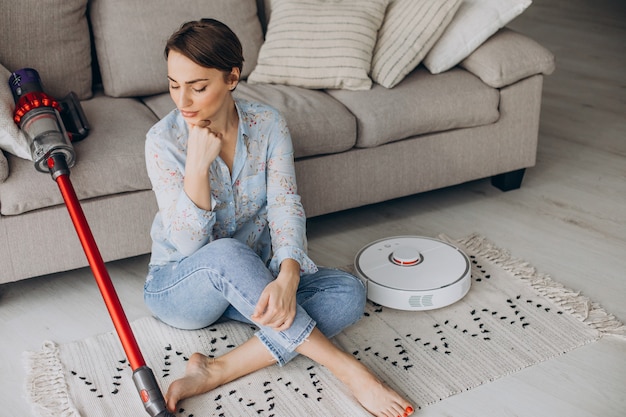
x: 4, y: 167
x: 508, y: 57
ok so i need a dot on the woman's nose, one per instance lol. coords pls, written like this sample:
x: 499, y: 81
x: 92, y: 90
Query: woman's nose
x: 183, y: 100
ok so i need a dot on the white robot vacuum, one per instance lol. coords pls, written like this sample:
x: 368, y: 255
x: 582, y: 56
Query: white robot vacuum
x: 413, y: 272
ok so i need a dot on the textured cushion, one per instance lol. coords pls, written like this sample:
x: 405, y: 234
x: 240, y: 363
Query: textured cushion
x: 421, y: 103
x: 109, y: 161
x: 4, y: 167
x: 160, y: 104
x: 507, y: 57
x: 130, y: 37
x: 318, y: 124
x: 473, y: 23
x: 410, y: 29
x: 320, y: 44
x: 51, y: 36
x: 12, y: 139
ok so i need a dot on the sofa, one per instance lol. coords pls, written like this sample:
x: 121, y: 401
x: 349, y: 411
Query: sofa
x: 354, y: 144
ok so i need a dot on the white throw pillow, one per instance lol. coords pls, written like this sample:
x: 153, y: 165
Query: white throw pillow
x: 12, y: 139
x: 474, y: 23
x: 320, y: 44
x: 410, y: 29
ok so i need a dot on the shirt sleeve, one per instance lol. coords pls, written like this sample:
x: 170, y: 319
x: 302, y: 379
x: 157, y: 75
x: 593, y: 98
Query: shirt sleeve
x: 184, y: 225
x: 285, y: 213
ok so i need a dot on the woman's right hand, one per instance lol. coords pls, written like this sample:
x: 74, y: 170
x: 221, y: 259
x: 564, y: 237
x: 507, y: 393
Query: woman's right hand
x: 203, y: 146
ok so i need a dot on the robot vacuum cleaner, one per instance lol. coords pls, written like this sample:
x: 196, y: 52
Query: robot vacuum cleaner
x: 413, y: 272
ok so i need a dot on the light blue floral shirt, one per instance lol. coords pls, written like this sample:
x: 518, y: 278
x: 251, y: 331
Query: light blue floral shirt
x: 258, y: 204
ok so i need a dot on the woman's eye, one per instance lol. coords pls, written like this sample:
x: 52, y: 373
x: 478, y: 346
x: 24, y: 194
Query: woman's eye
x: 199, y: 90
x: 173, y: 87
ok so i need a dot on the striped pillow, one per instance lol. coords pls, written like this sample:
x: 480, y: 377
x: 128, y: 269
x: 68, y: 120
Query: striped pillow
x: 410, y: 29
x: 320, y: 44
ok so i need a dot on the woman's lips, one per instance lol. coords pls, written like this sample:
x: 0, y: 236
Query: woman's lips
x: 188, y: 114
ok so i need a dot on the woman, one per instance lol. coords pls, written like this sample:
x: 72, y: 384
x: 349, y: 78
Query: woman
x: 229, y: 238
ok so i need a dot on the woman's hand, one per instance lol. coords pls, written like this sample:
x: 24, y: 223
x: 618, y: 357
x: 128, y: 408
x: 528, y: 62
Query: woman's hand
x: 276, y: 307
x: 203, y: 146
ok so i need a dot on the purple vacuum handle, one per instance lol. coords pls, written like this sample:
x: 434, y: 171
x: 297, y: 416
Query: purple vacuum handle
x: 23, y: 81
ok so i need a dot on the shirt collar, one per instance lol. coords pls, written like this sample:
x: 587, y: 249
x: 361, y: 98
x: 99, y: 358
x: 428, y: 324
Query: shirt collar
x: 241, y: 150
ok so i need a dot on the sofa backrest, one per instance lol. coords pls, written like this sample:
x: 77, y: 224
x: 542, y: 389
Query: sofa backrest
x: 54, y: 37
x: 129, y: 36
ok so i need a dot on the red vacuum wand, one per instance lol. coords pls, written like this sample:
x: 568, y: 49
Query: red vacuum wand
x: 39, y: 116
x: 60, y: 173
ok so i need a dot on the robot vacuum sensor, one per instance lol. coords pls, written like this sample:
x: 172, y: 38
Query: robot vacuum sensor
x: 413, y: 272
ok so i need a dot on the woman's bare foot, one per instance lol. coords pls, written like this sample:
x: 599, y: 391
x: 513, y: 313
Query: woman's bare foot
x: 202, y: 374
x: 374, y: 396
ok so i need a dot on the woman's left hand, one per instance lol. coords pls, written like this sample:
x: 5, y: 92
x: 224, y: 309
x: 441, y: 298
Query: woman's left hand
x: 276, y: 307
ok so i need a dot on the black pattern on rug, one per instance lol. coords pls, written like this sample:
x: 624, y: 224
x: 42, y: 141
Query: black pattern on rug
x: 512, y: 317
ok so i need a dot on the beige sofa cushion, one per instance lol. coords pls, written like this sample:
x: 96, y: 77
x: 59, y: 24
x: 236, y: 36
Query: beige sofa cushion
x: 318, y: 124
x: 130, y: 36
x: 508, y: 57
x: 109, y: 161
x: 51, y: 37
x: 4, y: 167
x: 421, y: 103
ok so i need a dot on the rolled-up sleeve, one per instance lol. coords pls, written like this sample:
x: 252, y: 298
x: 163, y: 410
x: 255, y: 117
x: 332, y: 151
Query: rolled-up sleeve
x: 183, y: 225
x: 286, y: 217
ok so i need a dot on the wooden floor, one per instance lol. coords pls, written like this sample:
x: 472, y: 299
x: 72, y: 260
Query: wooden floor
x: 568, y: 219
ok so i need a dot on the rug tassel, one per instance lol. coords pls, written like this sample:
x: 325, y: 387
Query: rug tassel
x: 588, y: 312
x: 46, y: 385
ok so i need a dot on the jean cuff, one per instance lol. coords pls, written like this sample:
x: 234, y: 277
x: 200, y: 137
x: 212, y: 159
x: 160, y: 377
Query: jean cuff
x: 283, y: 354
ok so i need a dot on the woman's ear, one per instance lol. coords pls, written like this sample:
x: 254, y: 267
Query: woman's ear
x: 233, y: 78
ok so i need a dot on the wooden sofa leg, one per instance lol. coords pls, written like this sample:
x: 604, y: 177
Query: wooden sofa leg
x: 509, y: 180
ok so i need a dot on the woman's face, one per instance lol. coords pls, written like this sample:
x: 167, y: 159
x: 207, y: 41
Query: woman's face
x: 199, y: 93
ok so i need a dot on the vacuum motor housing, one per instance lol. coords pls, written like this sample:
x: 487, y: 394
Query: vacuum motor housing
x: 413, y: 272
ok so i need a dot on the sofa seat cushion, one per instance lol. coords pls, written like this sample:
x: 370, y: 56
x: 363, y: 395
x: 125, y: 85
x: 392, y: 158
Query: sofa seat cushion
x: 421, y: 103
x: 109, y: 161
x: 318, y: 123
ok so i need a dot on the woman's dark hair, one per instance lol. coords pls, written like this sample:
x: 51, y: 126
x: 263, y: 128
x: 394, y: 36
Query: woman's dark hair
x: 209, y: 43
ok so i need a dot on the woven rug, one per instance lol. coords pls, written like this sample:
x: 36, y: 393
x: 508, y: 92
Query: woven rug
x: 513, y: 317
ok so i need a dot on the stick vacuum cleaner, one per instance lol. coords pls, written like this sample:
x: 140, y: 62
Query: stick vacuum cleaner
x: 44, y: 119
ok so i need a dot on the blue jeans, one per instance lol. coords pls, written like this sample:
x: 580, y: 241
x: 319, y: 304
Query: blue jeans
x: 224, y: 279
